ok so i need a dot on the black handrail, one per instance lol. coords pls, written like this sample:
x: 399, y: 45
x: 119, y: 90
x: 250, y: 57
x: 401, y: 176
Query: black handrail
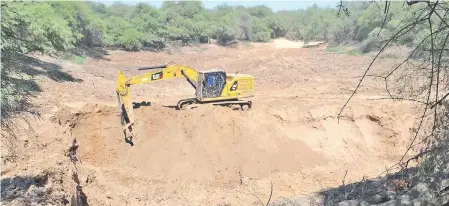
x: 152, y: 67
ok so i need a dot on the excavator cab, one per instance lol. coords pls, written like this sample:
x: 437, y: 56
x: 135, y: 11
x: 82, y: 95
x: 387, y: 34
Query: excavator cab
x: 212, y: 84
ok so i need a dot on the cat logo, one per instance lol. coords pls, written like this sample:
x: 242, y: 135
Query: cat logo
x: 156, y: 76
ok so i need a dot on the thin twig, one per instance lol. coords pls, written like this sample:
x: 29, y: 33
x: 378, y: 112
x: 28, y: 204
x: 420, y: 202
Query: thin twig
x: 376, y: 4
x: 439, y: 101
x: 271, y: 193
x: 260, y: 201
x: 386, y: 11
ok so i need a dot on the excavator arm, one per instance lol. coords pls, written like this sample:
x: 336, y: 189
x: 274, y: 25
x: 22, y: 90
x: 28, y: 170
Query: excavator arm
x: 164, y: 72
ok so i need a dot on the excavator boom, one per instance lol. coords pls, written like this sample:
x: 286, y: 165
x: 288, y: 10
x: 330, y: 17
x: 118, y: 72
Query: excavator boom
x: 164, y: 72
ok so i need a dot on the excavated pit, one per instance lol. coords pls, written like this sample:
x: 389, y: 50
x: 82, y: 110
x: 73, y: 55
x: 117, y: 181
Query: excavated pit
x: 215, y: 145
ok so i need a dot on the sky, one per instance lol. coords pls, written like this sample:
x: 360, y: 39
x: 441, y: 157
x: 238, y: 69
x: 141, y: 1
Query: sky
x: 274, y: 5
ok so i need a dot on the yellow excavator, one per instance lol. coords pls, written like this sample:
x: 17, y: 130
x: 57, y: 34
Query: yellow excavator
x: 212, y: 87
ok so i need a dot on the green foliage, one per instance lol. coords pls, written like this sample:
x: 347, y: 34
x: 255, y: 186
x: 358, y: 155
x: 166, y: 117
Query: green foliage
x: 261, y: 31
x: 131, y: 39
x: 32, y: 26
x: 58, y: 26
x: 224, y: 34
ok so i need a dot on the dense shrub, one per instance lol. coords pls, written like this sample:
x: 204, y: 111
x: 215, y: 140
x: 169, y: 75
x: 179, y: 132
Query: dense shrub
x: 131, y: 39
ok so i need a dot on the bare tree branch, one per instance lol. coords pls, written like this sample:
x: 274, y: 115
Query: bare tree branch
x: 438, y: 70
x: 432, y: 66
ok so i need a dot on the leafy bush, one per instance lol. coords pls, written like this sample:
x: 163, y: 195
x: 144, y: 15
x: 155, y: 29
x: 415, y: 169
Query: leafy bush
x: 131, y: 40
x: 261, y: 31
x: 225, y: 34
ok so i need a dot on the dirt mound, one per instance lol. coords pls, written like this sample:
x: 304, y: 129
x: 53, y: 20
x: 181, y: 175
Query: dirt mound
x: 220, y: 147
x: 203, y: 144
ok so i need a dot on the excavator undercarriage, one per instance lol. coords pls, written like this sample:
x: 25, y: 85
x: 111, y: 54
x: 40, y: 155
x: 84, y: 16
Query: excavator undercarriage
x: 211, y: 87
x: 188, y: 103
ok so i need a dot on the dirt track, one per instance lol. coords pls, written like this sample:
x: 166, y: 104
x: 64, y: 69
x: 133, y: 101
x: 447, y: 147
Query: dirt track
x: 215, y: 155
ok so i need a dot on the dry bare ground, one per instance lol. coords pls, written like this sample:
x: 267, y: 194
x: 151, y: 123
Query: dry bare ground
x: 209, y: 155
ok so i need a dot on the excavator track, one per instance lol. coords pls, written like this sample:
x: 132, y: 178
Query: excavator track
x: 184, y: 103
x: 244, y: 104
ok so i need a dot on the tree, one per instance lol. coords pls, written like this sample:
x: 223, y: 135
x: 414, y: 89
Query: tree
x: 26, y: 27
x: 261, y: 31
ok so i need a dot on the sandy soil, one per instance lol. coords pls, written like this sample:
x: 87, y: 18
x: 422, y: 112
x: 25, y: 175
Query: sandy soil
x: 216, y: 155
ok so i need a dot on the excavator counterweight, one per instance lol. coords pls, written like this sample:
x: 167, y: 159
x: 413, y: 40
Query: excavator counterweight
x: 212, y: 87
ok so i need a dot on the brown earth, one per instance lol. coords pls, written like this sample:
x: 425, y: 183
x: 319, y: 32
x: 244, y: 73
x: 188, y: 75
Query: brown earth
x: 215, y: 155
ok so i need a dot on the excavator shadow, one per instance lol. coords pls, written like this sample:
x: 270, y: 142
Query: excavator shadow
x: 139, y: 104
x: 171, y: 106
